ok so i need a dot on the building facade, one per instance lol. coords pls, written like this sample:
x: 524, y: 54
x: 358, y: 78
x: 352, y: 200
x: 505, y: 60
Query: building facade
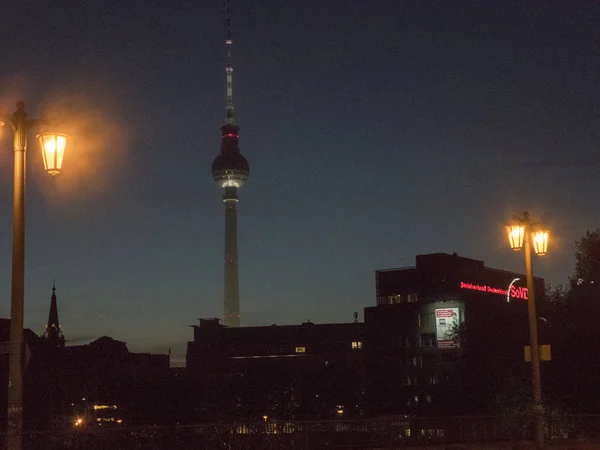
x: 440, y: 331
x: 428, y: 315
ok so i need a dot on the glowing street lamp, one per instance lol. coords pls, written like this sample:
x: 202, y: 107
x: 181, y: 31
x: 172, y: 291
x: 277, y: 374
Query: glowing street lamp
x: 516, y: 235
x: 539, y: 239
x: 523, y: 233
x: 53, y: 148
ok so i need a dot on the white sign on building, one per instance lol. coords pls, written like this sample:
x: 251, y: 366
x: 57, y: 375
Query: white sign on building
x: 446, y: 326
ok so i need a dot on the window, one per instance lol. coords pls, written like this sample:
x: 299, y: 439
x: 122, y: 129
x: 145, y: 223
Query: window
x: 356, y: 345
x: 404, y: 342
x: 426, y: 319
x: 300, y: 349
x: 427, y: 340
x: 449, y: 357
x: 434, y: 379
x: 428, y: 399
x: 412, y: 401
x: 393, y: 299
x: 415, y: 361
x: 431, y: 319
x: 412, y: 298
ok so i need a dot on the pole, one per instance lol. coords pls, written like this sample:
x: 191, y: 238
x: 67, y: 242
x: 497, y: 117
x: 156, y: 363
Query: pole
x: 232, y: 287
x: 538, y: 410
x: 15, y: 370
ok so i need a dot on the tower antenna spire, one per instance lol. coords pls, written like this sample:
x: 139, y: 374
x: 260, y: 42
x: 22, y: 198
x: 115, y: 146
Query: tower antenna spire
x: 230, y: 117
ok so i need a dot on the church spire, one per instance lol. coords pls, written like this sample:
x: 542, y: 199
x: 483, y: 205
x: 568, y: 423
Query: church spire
x: 53, y: 333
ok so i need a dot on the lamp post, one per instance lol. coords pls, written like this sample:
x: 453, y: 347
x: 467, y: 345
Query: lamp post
x: 523, y: 233
x: 53, y: 148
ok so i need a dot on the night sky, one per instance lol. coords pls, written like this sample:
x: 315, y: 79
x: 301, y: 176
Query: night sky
x: 375, y: 131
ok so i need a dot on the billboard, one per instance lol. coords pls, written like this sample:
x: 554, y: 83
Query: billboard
x: 446, y: 326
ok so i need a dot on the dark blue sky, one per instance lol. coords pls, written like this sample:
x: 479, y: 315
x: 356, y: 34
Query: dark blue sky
x: 375, y: 131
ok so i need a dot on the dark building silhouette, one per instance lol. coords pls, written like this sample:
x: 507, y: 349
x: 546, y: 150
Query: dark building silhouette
x: 62, y: 381
x: 448, y: 318
x: 429, y: 318
x: 219, y: 350
x: 32, y: 342
x: 281, y: 371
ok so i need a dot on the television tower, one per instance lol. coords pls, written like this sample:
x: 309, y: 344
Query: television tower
x: 230, y: 170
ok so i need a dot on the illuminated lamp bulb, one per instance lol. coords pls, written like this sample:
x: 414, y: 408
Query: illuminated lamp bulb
x: 540, y: 242
x: 53, y: 150
x: 516, y: 235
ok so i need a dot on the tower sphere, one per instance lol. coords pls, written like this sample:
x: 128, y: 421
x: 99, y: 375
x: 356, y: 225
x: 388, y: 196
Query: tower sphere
x: 230, y: 170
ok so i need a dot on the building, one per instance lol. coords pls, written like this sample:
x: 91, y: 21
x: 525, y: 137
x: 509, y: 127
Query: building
x: 426, y: 314
x: 440, y: 332
x: 63, y: 379
x: 219, y: 350
x: 283, y: 371
x: 230, y: 171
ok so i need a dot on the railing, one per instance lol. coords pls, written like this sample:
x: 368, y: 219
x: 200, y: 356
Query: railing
x: 392, y: 433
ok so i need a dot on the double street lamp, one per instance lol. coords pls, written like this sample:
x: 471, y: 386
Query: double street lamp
x: 53, y: 149
x: 523, y: 233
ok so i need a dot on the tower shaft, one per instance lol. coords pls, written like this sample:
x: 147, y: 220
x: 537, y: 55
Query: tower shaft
x: 231, y: 282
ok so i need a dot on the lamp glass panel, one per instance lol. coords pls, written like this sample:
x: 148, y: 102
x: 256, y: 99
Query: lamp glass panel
x: 516, y: 234
x: 53, y: 151
x: 540, y: 242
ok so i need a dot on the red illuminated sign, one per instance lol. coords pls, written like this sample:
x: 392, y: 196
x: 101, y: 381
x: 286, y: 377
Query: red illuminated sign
x: 515, y: 292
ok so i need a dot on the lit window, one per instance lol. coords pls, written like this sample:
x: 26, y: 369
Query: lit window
x: 300, y: 349
x: 356, y: 345
x: 394, y: 299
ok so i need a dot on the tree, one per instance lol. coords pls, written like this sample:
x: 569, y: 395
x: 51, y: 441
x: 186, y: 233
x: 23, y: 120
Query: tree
x: 572, y: 314
x: 587, y: 255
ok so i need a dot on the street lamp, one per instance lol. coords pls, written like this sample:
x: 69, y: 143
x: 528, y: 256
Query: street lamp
x: 53, y: 147
x: 523, y: 233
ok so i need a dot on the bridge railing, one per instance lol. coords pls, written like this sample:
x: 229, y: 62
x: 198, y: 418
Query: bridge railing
x: 394, y: 432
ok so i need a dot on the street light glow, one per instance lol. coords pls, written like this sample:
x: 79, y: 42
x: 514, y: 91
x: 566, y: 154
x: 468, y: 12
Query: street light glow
x: 540, y: 242
x: 53, y: 150
x: 516, y: 234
